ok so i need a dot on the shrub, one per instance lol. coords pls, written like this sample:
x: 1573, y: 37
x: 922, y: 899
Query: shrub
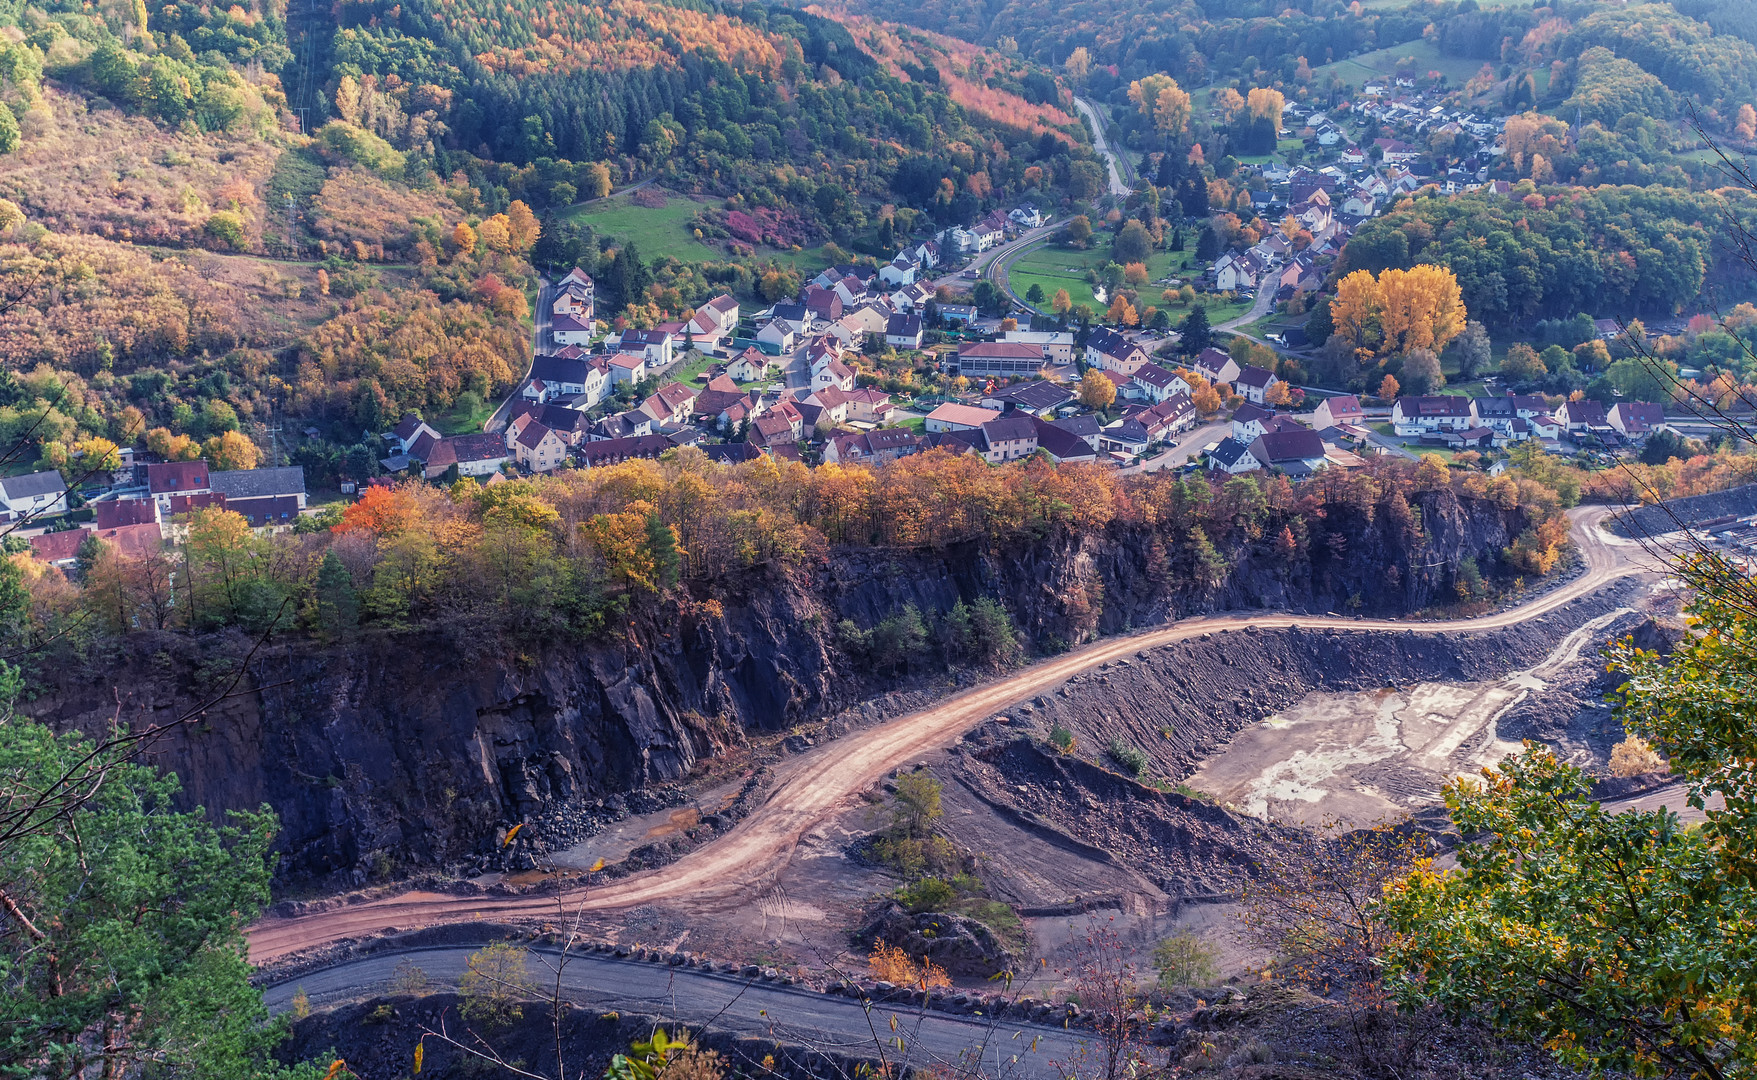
x: 494, y: 985
x: 1129, y: 757
x: 928, y: 894
x: 1635, y: 756
x: 1185, y: 960
x: 227, y: 227
x: 1062, y: 739
x: 893, y: 965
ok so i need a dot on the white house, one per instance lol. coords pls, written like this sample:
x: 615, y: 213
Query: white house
x: 1435, y: 412
x: 1253, y: 383
x: 1109, y: 350
x: 655, y: 345
x: 1216, y: 366
x: 626, y: 368
x: 38, y: 494
x: 1233, y: 457
x: 903, y: 331
x: 777, y: 336
x: 898, y: 271
x: 751, y: 365
x: 571, y: 330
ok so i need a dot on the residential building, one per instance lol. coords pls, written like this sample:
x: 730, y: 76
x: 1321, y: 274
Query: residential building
x: 1337, y: 411
x: 1233, y: 457
x: 1111, y: 351
x: 1636, y: 419
x: 1084, y: 427
x: 751, y: 365
x: 887, y: 444
x: 411, y: 428
x: 1063, y: 445
x: 903, y: 331
x: 869, y: 406
x: 1253, y: 383
x: 1297, y: 452
x: 1435, y: 412
x: 1215, y: 366
x: 656, y: 347
x: 615, y: 451
x: 473, y: 455
x: 1036, y: 398
x: 670, y: 404
x: 537, y: 448
x: 44, y: 494
x: 568, y: 329
x: 261, y: 494
x: 115, y: 513
x: 954, y: 417
x: 1155, y: 383
x: 1250, y: 421
x: 167, y: 478
x: 626, y: 368
x: 60, y: 549
x: 559, y: 377
x: 1009, y: 438
x: 1582, y: 417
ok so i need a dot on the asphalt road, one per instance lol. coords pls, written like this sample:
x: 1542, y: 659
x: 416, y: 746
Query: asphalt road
x: 1184, y: 449
x: 1101, y: 144
x: 541, y: 322
x: 790, y: 1014
x: 820, y: 784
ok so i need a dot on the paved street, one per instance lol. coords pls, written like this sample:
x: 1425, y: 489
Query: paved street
x: 730, y: 1003
x: 1185, y: 449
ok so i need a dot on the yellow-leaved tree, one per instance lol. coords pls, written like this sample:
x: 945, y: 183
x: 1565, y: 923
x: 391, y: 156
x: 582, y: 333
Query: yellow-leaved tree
x: 1400, y: 310
x: 1265, y: 103
x: 1161, y: 100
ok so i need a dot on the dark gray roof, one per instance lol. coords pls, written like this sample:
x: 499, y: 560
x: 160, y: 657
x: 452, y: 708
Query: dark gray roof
x: 258, y: 483
x: 559, y: 369
x: 33, y: 484
x: 1009, y: 429
x: 1229, y: 452
x: 1084, y: 425
x: 1033, y: 395
x: 1296, y: 445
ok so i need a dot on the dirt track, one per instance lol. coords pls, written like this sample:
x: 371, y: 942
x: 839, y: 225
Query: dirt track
x: 815, y: 786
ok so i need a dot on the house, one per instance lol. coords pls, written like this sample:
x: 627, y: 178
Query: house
x: 1233, y: 457
x: 628, y: 368
x: 165, y: 479
x: 571, y: 425
x: 1084, y: 427
x: 954, y: 417
x: 411, y: 428
x: 722, y: 310
x: 623, y: 425
x: 189, y: 504
x: 44, y: 494
x: 957, y: 314
x: 724, y: 406
x: 262, y: 495
x: 826, y: 304
x: 1111, y: 351
x: 1057, y: 345
x: 826, y: 406
x: 1063, y: 445
x: 1581, y: 417
x: 1036, y: 398
x: 473, y: 455
x: 577, y: 278
x: 1234, y: 271
x: 1253, y: 383
x: 1296, y: 452
x: 850, y: 289
x: 614, y: 451
x: 1009, y: 438
x: 654, y: 346
x: 888, y: 444
x: 1215, y: 366
x: 1337, y: 411
x: 1636, y: 419
x: 899, y: 271
x: 59, y: 549
x: 1251, y: 421
x: 903, y: 331
x: 1154, y: 384
x: 670, y: 404
x: 537, y: 448
x: 1468, y: 439
x: 853, y: 329
x: 751, y: 365
x: 911, y: 297
x: 563, y: 377
x: 1435, y: 412
x: 730, y: 453
x: 571, y: 329
x: 832, y: 374
x: 869, y: 406
x: 1138, y: 430
x: 115, y: 513
x: 1027, y: 215
x: 777, y: 336
x: 998, y: 359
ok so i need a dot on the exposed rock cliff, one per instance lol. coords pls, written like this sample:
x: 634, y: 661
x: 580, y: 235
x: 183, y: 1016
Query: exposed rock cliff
x: 395, y: 753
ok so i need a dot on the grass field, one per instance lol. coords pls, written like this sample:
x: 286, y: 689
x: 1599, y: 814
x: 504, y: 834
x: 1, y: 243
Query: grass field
x: 656, y: 230
x: 665, y: 230
x: 1065, y: 268
x: 462, y: 421
x: 1382, y: 63
x: 691, y: 368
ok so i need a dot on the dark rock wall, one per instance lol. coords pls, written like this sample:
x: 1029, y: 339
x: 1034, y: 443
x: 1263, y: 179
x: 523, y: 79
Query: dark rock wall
x: 401, y: 752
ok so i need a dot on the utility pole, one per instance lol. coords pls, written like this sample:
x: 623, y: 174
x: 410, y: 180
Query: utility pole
x: 289, y: 223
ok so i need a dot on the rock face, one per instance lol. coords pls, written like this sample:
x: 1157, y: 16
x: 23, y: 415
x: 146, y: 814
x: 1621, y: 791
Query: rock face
x: 410, y: 751
x: 960, y: 945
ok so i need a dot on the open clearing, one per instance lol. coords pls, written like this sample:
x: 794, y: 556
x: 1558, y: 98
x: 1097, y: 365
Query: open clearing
x: 1383, y: 63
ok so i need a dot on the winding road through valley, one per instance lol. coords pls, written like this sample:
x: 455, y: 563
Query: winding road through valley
x: 818, y: 785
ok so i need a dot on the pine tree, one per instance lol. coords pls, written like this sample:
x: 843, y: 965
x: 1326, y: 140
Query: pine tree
x: 1196, y: 335
x: 338, y: 607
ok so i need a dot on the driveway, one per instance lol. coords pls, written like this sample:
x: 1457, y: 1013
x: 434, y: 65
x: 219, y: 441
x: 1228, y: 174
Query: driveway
x: 1185, y: 449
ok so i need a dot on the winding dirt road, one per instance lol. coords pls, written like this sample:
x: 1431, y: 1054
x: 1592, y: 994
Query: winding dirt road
x: 822, y: 783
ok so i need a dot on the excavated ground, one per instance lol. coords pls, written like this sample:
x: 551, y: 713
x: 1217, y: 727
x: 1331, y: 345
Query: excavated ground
x: 1270, y: 727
